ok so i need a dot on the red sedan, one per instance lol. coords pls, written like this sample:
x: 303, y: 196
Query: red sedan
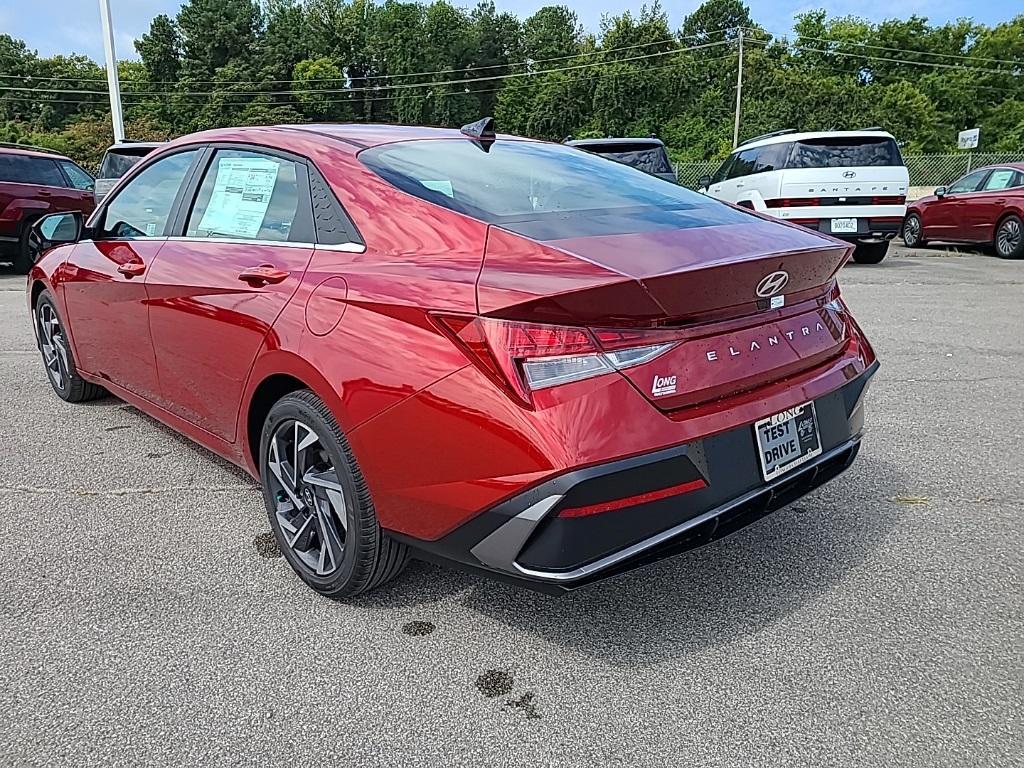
x: 986, y: 206
x: 509, y: 354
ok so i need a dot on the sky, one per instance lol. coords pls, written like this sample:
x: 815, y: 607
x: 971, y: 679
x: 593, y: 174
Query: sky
x: 73, y: 26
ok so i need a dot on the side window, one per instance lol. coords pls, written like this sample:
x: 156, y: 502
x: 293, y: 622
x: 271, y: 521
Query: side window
x: 968, y: 183
x: 143, y: 206
x: 744, y: 164
x: 252, y: 196
x: 26, y: 169
x: 45, y: 172
x: 723, y: 170
x: 1000, y: 178
x: 771, y: 158
x: 79, y: 178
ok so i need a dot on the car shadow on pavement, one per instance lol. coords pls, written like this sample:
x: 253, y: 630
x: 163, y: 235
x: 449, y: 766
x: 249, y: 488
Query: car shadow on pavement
x: 702, y: 599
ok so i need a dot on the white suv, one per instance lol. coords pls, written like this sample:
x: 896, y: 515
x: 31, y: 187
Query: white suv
x: 849, y: 184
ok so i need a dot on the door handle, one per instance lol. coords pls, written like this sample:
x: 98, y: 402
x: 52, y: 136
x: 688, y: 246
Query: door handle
x: 263, y: 274
x: 131, y: 268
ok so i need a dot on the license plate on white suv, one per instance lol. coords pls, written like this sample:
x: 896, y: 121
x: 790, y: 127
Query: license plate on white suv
x: 844, y: 226
x: 787, y: 440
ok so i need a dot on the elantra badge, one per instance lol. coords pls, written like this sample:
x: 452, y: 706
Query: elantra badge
x: 772, y: 284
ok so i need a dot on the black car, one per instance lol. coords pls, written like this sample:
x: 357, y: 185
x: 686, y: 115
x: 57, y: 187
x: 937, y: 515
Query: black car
x: 648, y: 155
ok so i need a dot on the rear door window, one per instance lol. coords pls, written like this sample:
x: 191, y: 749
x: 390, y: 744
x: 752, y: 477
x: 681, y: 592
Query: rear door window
x: 26, y: 169
x: 844, y: 152
x: 252, y: 196
x: 1000, y: 178
x: 759, y: 160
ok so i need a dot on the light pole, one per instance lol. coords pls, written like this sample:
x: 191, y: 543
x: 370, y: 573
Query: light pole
x: 113, y: 84
x: 739, y: 95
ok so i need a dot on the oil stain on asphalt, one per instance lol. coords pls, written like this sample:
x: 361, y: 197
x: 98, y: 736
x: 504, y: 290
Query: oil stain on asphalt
x: 525, y: 703
x: 418, y: 628
x: 494, y: 682
x: 266, y: 545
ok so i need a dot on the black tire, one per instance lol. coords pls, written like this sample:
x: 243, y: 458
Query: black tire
x: 1009, y: 242
x: 23, y: 257
x: 912, y: 231
x: 58, y: 359
x: 870, y: 253
x: 368, y: 557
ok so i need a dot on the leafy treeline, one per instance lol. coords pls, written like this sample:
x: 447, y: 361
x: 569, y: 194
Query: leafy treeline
x: 232, y: 62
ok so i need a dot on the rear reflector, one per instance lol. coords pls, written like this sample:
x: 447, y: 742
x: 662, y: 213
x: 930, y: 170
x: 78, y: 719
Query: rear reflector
x: 632, y: 501
x: 525, y: 357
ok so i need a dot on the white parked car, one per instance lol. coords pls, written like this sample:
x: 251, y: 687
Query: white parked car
x: 849, y: 184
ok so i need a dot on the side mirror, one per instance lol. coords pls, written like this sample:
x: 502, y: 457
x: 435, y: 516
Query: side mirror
x: 704, y: 182
x: 55, y: 229
x: 940, y: 192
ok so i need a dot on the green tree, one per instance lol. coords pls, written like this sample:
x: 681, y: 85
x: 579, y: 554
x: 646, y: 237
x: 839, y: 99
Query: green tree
x: 160, y: 50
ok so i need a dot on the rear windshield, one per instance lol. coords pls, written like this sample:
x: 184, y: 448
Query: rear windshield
x: 844, y: 152
x: 651, y: 158
x: 545, y: 191
x: 117, y: 162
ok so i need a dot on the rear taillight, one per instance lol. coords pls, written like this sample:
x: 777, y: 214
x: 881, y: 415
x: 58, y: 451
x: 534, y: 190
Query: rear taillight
x: 889, y: 200
x: 526, y: 357
x: 793, y: 202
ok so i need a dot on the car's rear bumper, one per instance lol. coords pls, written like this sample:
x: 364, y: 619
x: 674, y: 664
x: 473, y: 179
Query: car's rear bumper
x: 526, y: 540
x: 872, y: 222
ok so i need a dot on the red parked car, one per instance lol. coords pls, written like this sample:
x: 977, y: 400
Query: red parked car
x: 986, y: 206
x: 505, y: 353
x: 34, y: 182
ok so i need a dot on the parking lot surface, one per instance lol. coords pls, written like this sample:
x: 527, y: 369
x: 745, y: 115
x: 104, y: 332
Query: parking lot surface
x: 146, y: 621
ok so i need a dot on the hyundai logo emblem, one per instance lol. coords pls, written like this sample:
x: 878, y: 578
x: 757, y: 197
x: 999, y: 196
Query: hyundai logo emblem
x: 772, y: 284
x: 849, y: 174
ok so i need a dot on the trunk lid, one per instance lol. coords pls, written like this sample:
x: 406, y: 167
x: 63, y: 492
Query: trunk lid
x: 709, y: 288
x: 877, y: 181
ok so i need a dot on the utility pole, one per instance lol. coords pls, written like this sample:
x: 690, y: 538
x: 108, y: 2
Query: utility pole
x: 113, y: 84
x: 739, y: 94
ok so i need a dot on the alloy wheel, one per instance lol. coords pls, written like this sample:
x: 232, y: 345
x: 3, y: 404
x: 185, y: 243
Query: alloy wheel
x: 309, y: 501
x: 912, y: 230
x: 1009, y: 237
x: 54, y: 346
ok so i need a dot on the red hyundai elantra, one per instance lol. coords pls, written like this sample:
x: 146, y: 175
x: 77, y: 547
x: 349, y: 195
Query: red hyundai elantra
x: 505, y: 353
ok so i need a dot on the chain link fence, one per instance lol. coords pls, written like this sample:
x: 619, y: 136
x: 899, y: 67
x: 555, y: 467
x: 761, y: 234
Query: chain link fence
x: 925, y: 170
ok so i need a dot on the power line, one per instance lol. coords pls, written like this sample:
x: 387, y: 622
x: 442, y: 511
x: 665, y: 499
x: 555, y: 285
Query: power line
x: 375, y: 89
x: 449, y: 71
x: 514, y: 87
x: 860, y: 44
x: 891, y: 60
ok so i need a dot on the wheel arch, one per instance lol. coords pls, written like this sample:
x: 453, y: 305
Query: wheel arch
x: 1003, y: 217
x: 276, y: 374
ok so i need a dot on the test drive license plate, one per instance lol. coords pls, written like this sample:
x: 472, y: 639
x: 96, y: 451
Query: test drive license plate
x: 787, y: 440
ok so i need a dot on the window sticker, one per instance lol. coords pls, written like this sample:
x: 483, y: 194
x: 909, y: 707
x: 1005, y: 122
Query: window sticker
x: 444, y: 187
x: 241, y: 196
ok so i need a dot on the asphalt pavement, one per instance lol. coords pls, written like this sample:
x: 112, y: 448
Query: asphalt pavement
x: 146, y: 620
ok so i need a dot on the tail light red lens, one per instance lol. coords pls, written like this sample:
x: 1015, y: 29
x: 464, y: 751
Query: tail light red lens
x: 793, y: 202
x: 889, y: 200
x: 525, y: 357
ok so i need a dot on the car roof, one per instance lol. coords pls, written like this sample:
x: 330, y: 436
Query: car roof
x: 353, y: 137
x: 805, y: 135
x: 1014, y: 166
x: 9, y: 149
x: 652, y: 140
